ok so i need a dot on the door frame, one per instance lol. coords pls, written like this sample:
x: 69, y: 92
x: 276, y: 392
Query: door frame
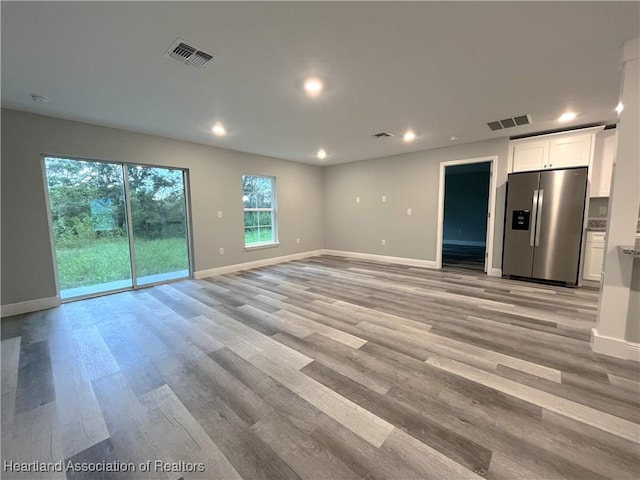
x: 491, y: 212
x: 125, y: 165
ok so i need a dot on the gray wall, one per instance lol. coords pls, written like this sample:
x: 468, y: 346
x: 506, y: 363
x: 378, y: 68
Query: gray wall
x: 465, y: 205
x: 215, y: 179
x: 317, y: 205
x: 409, y: 181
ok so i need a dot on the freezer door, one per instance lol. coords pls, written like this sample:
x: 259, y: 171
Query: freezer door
x: 559, y: 232
x: 519, y: 229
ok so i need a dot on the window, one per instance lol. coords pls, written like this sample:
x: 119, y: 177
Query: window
x: 116, y: 226
x: 259, y: 198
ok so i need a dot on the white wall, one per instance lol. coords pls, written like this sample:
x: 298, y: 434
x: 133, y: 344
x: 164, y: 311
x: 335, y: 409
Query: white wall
x: 618, y: 321
x: 215, y: 179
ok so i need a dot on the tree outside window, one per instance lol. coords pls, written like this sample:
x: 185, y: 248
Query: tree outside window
x: 259, y: 199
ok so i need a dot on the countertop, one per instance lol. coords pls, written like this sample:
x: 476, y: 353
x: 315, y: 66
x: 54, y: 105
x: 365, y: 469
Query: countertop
x: 596, y: 225
x: 600, y: 225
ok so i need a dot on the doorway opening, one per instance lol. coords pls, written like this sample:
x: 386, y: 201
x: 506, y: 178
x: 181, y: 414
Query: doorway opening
x: 467, y: 197
x: 116, y: 226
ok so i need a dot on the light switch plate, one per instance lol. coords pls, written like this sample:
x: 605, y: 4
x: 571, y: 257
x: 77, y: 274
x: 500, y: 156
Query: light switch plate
x: 384, y: 198
x: 409, y: 212
x: 219, y: 213
x: 221, y: 251
x: 357, y: 199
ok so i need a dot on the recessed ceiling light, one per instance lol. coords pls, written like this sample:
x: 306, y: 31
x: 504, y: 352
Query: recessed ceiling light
x: 619, y: 107
x: 567, y: 117
x: 313, y: 86
x: 39, y: 98
x: 321, y: 154
x: 409, y: 136
x: 219, y: 130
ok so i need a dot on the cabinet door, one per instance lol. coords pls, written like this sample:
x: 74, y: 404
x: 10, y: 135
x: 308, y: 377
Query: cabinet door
x: 571, y: 151
x: 593, y: 258
x: 603, y: 159
x: 530, y: 156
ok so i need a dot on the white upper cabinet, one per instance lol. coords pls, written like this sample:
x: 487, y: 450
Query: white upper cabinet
x: 603, y: 159
x: 571, y: 151
x: 530, y: 156
x: 556, y: 150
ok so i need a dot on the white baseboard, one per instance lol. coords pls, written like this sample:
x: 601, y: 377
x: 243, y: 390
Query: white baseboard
x: 469, y: 243
x: 633, y: 351
x: 255, y: 264
x: 29, y: 306
x: 614, y: 347
x: 589, y: 283
x: 495, y: 272
x: 412, y: 262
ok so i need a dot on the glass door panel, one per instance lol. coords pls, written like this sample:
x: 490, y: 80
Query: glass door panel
x: 89, y: 223
x: 159, y: 223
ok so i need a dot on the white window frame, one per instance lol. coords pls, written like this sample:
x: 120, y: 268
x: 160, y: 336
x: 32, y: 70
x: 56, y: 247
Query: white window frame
x: 274, y: 216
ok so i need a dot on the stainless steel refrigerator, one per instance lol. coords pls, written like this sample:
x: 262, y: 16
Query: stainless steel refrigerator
x: 543, y: 224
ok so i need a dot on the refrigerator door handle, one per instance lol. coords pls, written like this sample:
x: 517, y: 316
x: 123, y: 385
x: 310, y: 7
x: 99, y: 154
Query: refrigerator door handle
x: 534, y: 215
x: 539, y: 217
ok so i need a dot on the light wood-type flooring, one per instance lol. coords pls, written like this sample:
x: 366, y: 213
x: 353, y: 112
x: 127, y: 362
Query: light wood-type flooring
x: 324, y: 368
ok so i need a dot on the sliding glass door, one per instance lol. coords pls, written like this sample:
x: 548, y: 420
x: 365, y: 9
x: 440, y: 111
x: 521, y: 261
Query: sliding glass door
x: 116, y: 226
x: 159, y: 221
x: 89, y: 222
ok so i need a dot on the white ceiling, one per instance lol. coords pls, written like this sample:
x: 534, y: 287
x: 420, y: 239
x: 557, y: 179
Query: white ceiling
x: 441, y: 69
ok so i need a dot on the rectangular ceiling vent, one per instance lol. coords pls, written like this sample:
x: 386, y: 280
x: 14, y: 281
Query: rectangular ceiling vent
x: 187, y: 54
x: 510, y: 122
x: 382, y: 135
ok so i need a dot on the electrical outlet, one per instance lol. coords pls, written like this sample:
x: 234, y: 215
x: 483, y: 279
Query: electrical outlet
x: 383, y: 242
x: 357, y: 199
x: 409, y: 212
x: 221, y: 251
x: 219, y: 213
x: 298, y: 241
x: 384, y: 198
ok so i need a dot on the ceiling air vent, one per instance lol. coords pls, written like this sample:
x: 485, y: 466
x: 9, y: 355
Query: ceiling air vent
x: 187, y: 54
x: 382, y: 135
x: 510, y: 122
